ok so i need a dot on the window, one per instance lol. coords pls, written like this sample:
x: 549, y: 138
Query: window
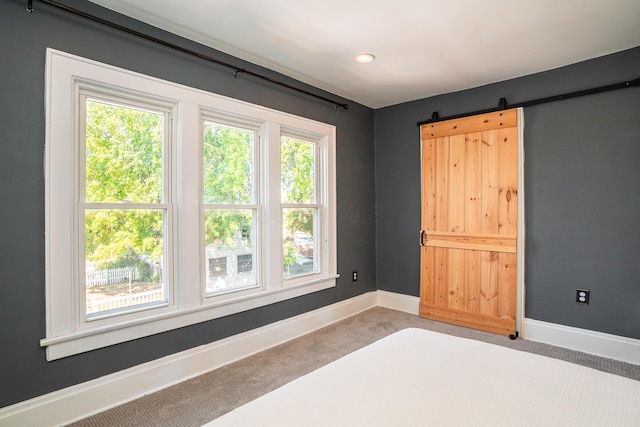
x: 123, y: 206
x: 168, y: 206
x: 299, y: 207
x: 229, y: 200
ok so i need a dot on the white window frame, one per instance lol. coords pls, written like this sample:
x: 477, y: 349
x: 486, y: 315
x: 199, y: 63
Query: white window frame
x: 67, y: 333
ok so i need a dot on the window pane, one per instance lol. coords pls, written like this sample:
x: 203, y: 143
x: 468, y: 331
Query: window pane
x: 297, y: 166
x: 299, y: 243
x: 125, y: 262
x: 230, y: 249
x: 228, y: 164
x: 123, y: 154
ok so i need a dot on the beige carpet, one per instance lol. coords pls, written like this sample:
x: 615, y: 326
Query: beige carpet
x: 202, y: 399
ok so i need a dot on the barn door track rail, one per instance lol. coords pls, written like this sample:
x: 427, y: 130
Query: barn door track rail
x: 503, y: 105
x: 237, y: 70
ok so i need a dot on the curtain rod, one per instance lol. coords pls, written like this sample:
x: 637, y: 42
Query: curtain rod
x: 237, y: 70
x: 502, y: 103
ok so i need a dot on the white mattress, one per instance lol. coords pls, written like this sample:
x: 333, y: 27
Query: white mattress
x: 422, y: 378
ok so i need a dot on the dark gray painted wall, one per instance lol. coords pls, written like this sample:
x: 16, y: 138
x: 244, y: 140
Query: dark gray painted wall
x: 24, y: 372
x: 582, y: 184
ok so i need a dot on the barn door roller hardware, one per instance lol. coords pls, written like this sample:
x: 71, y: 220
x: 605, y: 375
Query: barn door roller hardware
x: 503, y: 105
x: 237, y: 70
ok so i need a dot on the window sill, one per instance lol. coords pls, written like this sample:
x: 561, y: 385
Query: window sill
x: 103, y: 336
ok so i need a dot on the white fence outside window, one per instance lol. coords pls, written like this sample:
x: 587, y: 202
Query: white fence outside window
x: 125, y: 301
x: 111, y: 276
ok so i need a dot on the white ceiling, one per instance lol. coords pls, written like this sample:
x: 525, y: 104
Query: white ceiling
x: 422, y: 47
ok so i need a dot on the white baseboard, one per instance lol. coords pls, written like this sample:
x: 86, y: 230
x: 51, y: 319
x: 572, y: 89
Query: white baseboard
x: 406, y: 303
x: 83, y: 400
x: 586, y: 341
x: 91, y: 397
x: 592, y: 342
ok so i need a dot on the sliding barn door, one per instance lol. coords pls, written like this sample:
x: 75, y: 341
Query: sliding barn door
x: 469, y: 221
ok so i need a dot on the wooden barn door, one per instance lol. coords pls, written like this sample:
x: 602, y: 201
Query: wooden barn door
x: 469, y: 221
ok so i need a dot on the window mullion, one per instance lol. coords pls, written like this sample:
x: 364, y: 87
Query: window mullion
x: 230, y: 206
x: 272, y: 210
x: 85, y: 205
x: 300, y: 205
x: 190, y: 219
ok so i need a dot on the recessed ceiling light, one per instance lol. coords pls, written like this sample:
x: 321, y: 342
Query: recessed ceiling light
x: 365, y: 58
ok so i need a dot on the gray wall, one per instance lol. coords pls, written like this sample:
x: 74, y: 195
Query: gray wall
x: 582, y: 184
x: 24, y: 372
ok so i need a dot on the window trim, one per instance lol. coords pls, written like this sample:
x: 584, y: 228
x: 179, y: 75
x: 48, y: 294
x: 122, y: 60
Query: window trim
x: 64, y: 336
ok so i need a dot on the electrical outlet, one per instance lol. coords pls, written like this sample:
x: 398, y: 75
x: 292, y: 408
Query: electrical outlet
x: 582, y: 296
x: 354, y: 276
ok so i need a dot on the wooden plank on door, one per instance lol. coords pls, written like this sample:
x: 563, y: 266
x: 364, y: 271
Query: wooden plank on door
x: 427, y: 255
x: 441, y: 258
x: 472, y: 198
x: 477, y: 123
x: 506, y: 302
x: 488, y: 242
x: 508, y: 178
x: 489, y: 283
x: 508, y: 218
x: 490, y: 222
x: 493, y: 324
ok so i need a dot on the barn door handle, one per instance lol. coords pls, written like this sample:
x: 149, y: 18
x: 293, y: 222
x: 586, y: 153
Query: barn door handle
x: 422, y: 234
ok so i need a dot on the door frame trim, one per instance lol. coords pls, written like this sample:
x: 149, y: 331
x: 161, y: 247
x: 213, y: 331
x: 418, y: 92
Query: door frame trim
x: 520, y: 238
